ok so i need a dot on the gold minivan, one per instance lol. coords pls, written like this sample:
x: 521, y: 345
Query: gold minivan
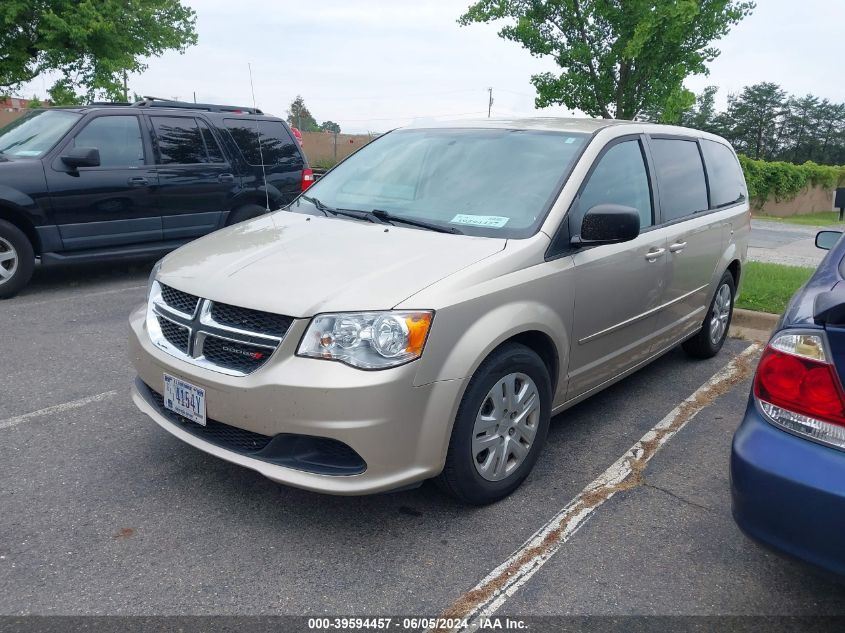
x: 426, y: 307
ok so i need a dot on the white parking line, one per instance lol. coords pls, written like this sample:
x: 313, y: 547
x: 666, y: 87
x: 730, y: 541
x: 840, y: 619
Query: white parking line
x: 24, y: 304
x: 59, y: 408
x: 504, y: 581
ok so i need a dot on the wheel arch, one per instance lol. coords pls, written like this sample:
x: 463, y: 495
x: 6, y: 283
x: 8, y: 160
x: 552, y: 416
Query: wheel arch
x: 10, y: 213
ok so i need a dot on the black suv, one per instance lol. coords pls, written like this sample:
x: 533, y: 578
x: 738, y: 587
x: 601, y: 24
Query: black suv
x: 116, y: 181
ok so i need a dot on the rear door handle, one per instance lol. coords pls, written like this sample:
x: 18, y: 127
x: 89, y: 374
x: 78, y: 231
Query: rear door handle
x: 677, y: 247
x: 138, y: 181
x: 654, y: 253
x: 226, y: 178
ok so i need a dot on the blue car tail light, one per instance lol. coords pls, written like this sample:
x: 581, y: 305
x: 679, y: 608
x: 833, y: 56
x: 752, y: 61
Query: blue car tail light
x: 797, y: 388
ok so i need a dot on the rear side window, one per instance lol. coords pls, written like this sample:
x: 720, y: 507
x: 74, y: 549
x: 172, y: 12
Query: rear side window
x: 680, y: 177
x: 118, y: 139
x: 620, y: 177
x: 180, y: 141
x: 267, y: 139
x: 727, y: 185
x: 215, y: 155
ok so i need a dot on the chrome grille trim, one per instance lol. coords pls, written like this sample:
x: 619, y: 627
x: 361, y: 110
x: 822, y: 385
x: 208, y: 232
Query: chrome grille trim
x: 201, y: 327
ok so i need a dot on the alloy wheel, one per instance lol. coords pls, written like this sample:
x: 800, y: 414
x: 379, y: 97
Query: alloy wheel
x: 720, y: 313
x: 8, y: 260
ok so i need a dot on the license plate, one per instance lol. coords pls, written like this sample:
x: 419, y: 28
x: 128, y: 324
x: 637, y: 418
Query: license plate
x: 185, y: 399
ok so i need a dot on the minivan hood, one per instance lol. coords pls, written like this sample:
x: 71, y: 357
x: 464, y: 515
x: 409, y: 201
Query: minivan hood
x: 301, y: 265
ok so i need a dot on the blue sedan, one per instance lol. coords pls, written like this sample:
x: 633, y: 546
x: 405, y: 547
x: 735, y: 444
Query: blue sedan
x: 788, y: 455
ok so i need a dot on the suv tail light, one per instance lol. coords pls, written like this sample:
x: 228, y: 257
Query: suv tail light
x: 798, y: 389
x: 307, y: 178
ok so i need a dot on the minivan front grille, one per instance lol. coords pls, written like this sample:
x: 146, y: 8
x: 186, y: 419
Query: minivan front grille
x: 177, y: 335
x: 178, y: 300
x: 236, y: 356
x: 253, y: 320
x: 229, y: 339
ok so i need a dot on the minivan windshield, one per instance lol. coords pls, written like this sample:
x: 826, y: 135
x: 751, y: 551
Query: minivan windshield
x: 35, y: 133
x: 491, y: 182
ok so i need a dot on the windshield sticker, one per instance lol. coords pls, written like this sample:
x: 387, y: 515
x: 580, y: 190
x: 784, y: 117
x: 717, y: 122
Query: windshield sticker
x: 488, y: 221
x: 570, y: 140
x: 27, y: 152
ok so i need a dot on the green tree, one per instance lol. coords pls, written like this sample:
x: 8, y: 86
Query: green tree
x: 755, y: 118
x: 617, y: 58
x: 94, y: 43
x: 330, y: 126
x: 299, y: 116
x: 35, y: 102
x: 702, y: 116
x: 63, y: 94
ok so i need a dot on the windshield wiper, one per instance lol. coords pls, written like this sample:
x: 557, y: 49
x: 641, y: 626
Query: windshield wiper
x: 386, y: 216
x: 350, y: 213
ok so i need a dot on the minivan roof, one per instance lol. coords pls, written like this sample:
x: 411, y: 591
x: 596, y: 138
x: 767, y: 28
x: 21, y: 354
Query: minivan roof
x: 558, y: 124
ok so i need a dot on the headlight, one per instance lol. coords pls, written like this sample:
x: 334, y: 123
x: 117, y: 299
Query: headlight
x: 153, y: 275
x: 369, y: 340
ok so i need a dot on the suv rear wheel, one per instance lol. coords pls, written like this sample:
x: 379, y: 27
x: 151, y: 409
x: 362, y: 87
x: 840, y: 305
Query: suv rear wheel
x: 500, y: 428
x: 17, y: 259
x: 246, y: 212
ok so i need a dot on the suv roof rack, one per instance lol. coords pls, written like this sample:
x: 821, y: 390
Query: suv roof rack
x: 157, y: 102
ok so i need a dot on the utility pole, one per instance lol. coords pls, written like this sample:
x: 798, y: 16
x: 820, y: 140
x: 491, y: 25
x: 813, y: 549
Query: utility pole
x: 125, y: 88
x: 490, y: 102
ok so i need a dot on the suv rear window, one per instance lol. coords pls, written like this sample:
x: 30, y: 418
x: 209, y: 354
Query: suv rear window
x: 275, y: 145
x: 680, y: 177
x: 727, y: 185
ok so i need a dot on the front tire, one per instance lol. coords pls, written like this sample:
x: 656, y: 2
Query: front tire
x: 17, y: 260
x: 500, y: 428
x: 714, y: 330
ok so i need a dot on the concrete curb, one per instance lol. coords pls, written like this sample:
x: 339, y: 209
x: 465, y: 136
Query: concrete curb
x: 753, y: 326
x: 754, y: 320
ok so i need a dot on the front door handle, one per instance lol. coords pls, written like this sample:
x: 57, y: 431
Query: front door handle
x: 677, y: 247
x: 226, y: 178
x: 654, y: 253
x: 138, y: 181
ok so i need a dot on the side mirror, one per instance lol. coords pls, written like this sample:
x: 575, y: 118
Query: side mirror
x: 826, y: 240
x: 82, y: 157
x: 608, y: 224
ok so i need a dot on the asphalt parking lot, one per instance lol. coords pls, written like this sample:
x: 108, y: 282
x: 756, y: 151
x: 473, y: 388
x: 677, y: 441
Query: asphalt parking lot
x: 102, y: 512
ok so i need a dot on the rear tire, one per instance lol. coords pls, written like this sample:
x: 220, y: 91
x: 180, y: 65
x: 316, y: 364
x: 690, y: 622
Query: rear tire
x: 717, y: 322
x: 17, y: 260
x: 500, y: 428
x: 244, y: 213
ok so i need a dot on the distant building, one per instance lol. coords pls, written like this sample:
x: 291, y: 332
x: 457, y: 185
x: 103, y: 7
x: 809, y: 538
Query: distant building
x: 16, y: 104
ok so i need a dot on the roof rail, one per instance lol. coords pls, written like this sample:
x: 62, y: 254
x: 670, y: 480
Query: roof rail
x: 111, y: 103
x: 157, y: 102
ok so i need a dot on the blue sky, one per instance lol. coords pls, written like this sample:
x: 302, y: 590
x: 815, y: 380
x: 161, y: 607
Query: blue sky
x: 375, y: 64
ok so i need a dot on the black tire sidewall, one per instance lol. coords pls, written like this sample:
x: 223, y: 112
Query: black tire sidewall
x: 26, y: 259
x: 464, y: 479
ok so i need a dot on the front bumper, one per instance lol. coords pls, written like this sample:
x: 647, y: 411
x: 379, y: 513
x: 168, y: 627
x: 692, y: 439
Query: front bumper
x: 401, y: 431
x: 789, y: 492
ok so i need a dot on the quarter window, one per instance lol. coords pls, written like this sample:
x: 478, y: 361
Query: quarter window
x: 263, y: 139
x: 117, y: 138
x: 180, y: 141
x: 680, y: 177
x: 727, y: 185
x: 620, y: 177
